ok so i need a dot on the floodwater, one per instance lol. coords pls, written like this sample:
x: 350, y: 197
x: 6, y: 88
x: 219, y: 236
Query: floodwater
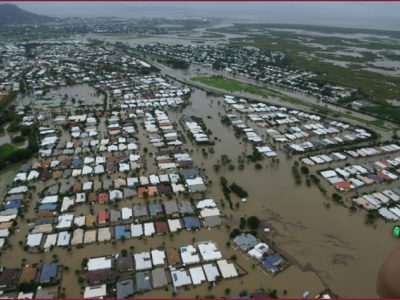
x: 328, y: 247
x: 82, y: 92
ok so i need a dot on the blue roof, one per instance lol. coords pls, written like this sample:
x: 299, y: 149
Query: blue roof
x: 48, y: 272
x: 122, y: 231
x: 127, y: 124
x: 191, y: 222
x: 273, y: 259
x: 270, y: 267
x: 13, y: 204
x: 50, y: 206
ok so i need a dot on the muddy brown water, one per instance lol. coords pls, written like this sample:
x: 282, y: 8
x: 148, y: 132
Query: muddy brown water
x: 328, y: 247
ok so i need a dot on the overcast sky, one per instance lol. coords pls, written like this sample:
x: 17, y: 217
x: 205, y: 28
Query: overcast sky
x: 374, y: 15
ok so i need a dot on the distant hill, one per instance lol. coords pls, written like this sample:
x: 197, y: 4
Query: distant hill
x: 12, y: 14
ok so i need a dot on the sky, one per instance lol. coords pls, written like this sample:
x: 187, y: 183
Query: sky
x: 372, y: 15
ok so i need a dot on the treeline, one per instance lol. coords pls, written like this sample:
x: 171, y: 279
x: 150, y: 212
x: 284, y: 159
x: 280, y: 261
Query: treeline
x: 7, y: 100
x: 177, y: 63
x: 21, y: 154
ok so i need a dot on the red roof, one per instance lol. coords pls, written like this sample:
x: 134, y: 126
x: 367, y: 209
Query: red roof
x: 103, y: 197
x: 343, y: 184
x: 114, y: 129
x: 113, y: 141
x: 386, y: 163
x: 46, y: 164
x: 103, y: 216
x: 380, y: 174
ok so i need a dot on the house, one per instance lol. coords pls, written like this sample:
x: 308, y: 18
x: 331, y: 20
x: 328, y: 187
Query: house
x: 271, y: 262
x: 180, y: 278
x: 211, y: 272
x: 161, y: 227
x: 171, y: 207
x: 28, y: 275
x: 155, y: 209
x: 103, y: 197
x: 115, y: 216
x: 122, y: 231
x: 212, y: 221
x: 104, y: 217
x: 95, y: 292
x: 185, y: 207
x: 159, y: 278
x: 125, y: 289
x: 49, y: 273
x: 143, y: 281
x: 209, y: 251
x: 139, y: 211
x: 142, y: 261
x: 245, y: 241
x: 99, y: 263
x: 197, y: 275
x: 98, y: 276
x: 189, y: 255
x: 226, y: 269
x: 258, y: 251
x: 124, y: 263
x: 191, y: 223
x: 8, y: 277
x: 173, y: 257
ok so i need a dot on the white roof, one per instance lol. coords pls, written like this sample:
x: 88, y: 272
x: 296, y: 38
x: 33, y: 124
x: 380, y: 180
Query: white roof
x: 206, y: 203
x: 158, y: 257
x: 100, y: 263
x: 180, y: 278
x: 51, y: 240
x: 95, y: 291
x: 174, y: 225
x: 142, y: 261
x: 63, y: 238
x: 197, y: 275
x: 136, y: 230
x: 126, y: 213
x: 227, y: 270
x: 34, y: 239
x: 211, y: 272
x: 149, y: 229
x: 189, y: 255
x: 209, y: 251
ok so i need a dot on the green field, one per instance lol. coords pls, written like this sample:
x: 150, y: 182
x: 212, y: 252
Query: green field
x: 6, y: 149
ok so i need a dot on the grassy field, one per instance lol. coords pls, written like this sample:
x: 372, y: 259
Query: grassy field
x: 6, y: 149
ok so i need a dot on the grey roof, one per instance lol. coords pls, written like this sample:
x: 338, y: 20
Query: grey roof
x: 159, y: 278
x: 9, y: 212
x: 64, y: 188
x: 25, y: 167
x: 42, y: 294
x: 143, y: 281
x: 212, y: 221
x: 155, y: 209
x: 124, y: 289
x: 139, y: 211
x: 67, y: 173
x: 245, y: 241
x: 53, y: 190
x: 115, y: 215
x: 198, y: 188
x: 171, y: 207
x: 96, y: 185
x: 185, y: 207
x: 107, y: 184
x: 15, y: 197
x: 129, y: 192
x: 189, y: 173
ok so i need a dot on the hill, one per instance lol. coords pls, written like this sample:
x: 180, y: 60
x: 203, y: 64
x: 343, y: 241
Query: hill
x: 12, y: 14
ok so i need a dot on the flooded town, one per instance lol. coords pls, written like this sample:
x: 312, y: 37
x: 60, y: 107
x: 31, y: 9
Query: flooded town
x: 167, y: 158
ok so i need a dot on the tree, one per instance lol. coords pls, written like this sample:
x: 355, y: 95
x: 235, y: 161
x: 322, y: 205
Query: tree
x: 124, y: 252
x: 253, y: 222
x: 223, y: 180
x: 81, y: 280
x: 227, y: 291
x: 305, y: 170
x: 18, y: 139
x: 233, y: 257
x: 258, y: 166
